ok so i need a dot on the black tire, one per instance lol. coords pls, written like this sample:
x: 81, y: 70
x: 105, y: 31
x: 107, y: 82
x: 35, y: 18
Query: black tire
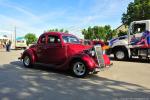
x: 24, y: 48
x: 121, y: 55
x: 27, y: 61
x: 81, y: 71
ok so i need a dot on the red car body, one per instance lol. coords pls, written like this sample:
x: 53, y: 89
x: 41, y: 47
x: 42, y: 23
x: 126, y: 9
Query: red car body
x: 54, y: 50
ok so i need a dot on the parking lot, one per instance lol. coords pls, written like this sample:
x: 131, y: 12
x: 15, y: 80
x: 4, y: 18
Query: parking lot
x: 123, y: 81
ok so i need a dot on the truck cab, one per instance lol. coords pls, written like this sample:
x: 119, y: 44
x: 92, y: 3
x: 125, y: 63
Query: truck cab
x: 137, y: 28
x: 136, y: 43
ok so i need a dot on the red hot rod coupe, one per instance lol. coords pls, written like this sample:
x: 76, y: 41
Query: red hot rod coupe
x: 65, y: 52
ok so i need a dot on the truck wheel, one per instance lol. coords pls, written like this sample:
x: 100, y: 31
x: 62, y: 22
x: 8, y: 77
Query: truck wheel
x: 27, y: 61
x: 121, y: 55
x: 79, y: 69
x: 24, y: 48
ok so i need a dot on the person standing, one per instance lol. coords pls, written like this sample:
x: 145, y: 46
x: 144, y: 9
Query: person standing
x: 9, y: 45
x: 6, y: 46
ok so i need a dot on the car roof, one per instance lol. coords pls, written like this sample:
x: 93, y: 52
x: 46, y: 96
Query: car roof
x: 57, y: 33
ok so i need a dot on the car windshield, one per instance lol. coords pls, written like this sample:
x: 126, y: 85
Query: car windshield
x: 70, y: 39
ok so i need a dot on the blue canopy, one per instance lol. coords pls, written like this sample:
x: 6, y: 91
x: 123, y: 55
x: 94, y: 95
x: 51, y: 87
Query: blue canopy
x: 20, y: 38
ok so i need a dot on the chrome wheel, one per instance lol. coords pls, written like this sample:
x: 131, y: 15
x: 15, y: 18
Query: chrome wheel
x: 26, y: 61
x: 79, y: 68
x: 120, y: 55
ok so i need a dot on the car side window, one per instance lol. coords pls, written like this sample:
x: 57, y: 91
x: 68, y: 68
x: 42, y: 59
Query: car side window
x: 43, y: 40
x: 53, y: 39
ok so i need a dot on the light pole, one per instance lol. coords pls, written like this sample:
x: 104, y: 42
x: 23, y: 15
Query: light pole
x: 15, y: 35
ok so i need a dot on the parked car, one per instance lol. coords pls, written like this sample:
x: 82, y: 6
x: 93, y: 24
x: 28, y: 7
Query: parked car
x: 65, y: 52
x: 96, y: 42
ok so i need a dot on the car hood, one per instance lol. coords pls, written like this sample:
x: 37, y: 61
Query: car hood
x: 77, y: 48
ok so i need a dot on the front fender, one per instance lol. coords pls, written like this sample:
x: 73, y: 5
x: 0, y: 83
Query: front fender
x: 89, y: 61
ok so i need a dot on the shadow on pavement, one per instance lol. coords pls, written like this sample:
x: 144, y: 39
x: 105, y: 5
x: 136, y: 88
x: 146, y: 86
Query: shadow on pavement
x: 39, y: 67
x: 18, y: 63
x: 22, y: 83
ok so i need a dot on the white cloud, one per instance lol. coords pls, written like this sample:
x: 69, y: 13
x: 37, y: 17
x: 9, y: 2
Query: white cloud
x: 101, y: 12
x: 18, y: 8
x: 28, y: 23
x: 5, y: 31
x: 10, y: 21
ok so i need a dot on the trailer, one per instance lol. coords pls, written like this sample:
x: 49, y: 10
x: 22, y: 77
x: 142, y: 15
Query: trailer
x: 20, y: 43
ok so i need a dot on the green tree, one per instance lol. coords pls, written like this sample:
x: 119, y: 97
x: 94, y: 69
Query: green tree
x: 30, y: 38
x: 86, y: 34
x: 61, y: 30
x: 66, y: 31
x: 58, y: 30
x: 99, y: 32
x: 137, y: 10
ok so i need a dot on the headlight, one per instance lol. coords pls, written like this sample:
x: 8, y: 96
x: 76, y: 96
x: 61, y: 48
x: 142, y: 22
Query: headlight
x: 92, y: 52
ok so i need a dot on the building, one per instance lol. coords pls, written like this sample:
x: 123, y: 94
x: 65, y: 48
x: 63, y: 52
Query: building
x: 123, y: 28
x: 3, y: 40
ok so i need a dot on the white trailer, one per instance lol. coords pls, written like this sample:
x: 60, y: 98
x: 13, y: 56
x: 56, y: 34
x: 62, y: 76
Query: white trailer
x: 21, y: 44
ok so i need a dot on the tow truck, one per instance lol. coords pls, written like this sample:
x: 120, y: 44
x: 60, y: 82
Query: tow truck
x: 135, y: 44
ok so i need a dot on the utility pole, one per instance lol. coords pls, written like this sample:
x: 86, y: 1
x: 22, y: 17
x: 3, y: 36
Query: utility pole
x: 15, y: 35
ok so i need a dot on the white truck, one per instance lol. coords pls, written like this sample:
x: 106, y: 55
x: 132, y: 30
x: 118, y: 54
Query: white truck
x: 135, y: 44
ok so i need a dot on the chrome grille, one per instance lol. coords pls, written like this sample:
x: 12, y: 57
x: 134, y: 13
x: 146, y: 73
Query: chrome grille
x: 99, y: 55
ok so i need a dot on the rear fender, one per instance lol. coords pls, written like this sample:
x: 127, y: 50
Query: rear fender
x: 31, y: 55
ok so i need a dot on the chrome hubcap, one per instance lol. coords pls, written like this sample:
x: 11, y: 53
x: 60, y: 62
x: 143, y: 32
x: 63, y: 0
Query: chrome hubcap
x: 120, y: 54
x: 79, y: 68
x: 26, y: 61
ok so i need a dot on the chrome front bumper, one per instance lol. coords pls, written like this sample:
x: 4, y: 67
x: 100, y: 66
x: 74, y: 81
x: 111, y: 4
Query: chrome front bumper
x: 98, y: 69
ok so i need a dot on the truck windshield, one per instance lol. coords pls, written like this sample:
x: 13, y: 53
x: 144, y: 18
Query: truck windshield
x: 71, y: 39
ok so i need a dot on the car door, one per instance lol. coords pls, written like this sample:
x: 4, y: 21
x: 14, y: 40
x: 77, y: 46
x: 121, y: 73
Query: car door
x: 41, y: 48
x: 56, y: 53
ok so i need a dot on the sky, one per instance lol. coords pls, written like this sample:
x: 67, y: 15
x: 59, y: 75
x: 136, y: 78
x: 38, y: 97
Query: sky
x: 37, y: 16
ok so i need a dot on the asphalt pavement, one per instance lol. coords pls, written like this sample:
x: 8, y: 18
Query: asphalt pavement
x: 125, y: 80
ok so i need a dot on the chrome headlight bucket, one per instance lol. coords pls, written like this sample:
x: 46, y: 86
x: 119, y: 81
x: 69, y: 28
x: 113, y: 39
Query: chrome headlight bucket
x: 92, y: 52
